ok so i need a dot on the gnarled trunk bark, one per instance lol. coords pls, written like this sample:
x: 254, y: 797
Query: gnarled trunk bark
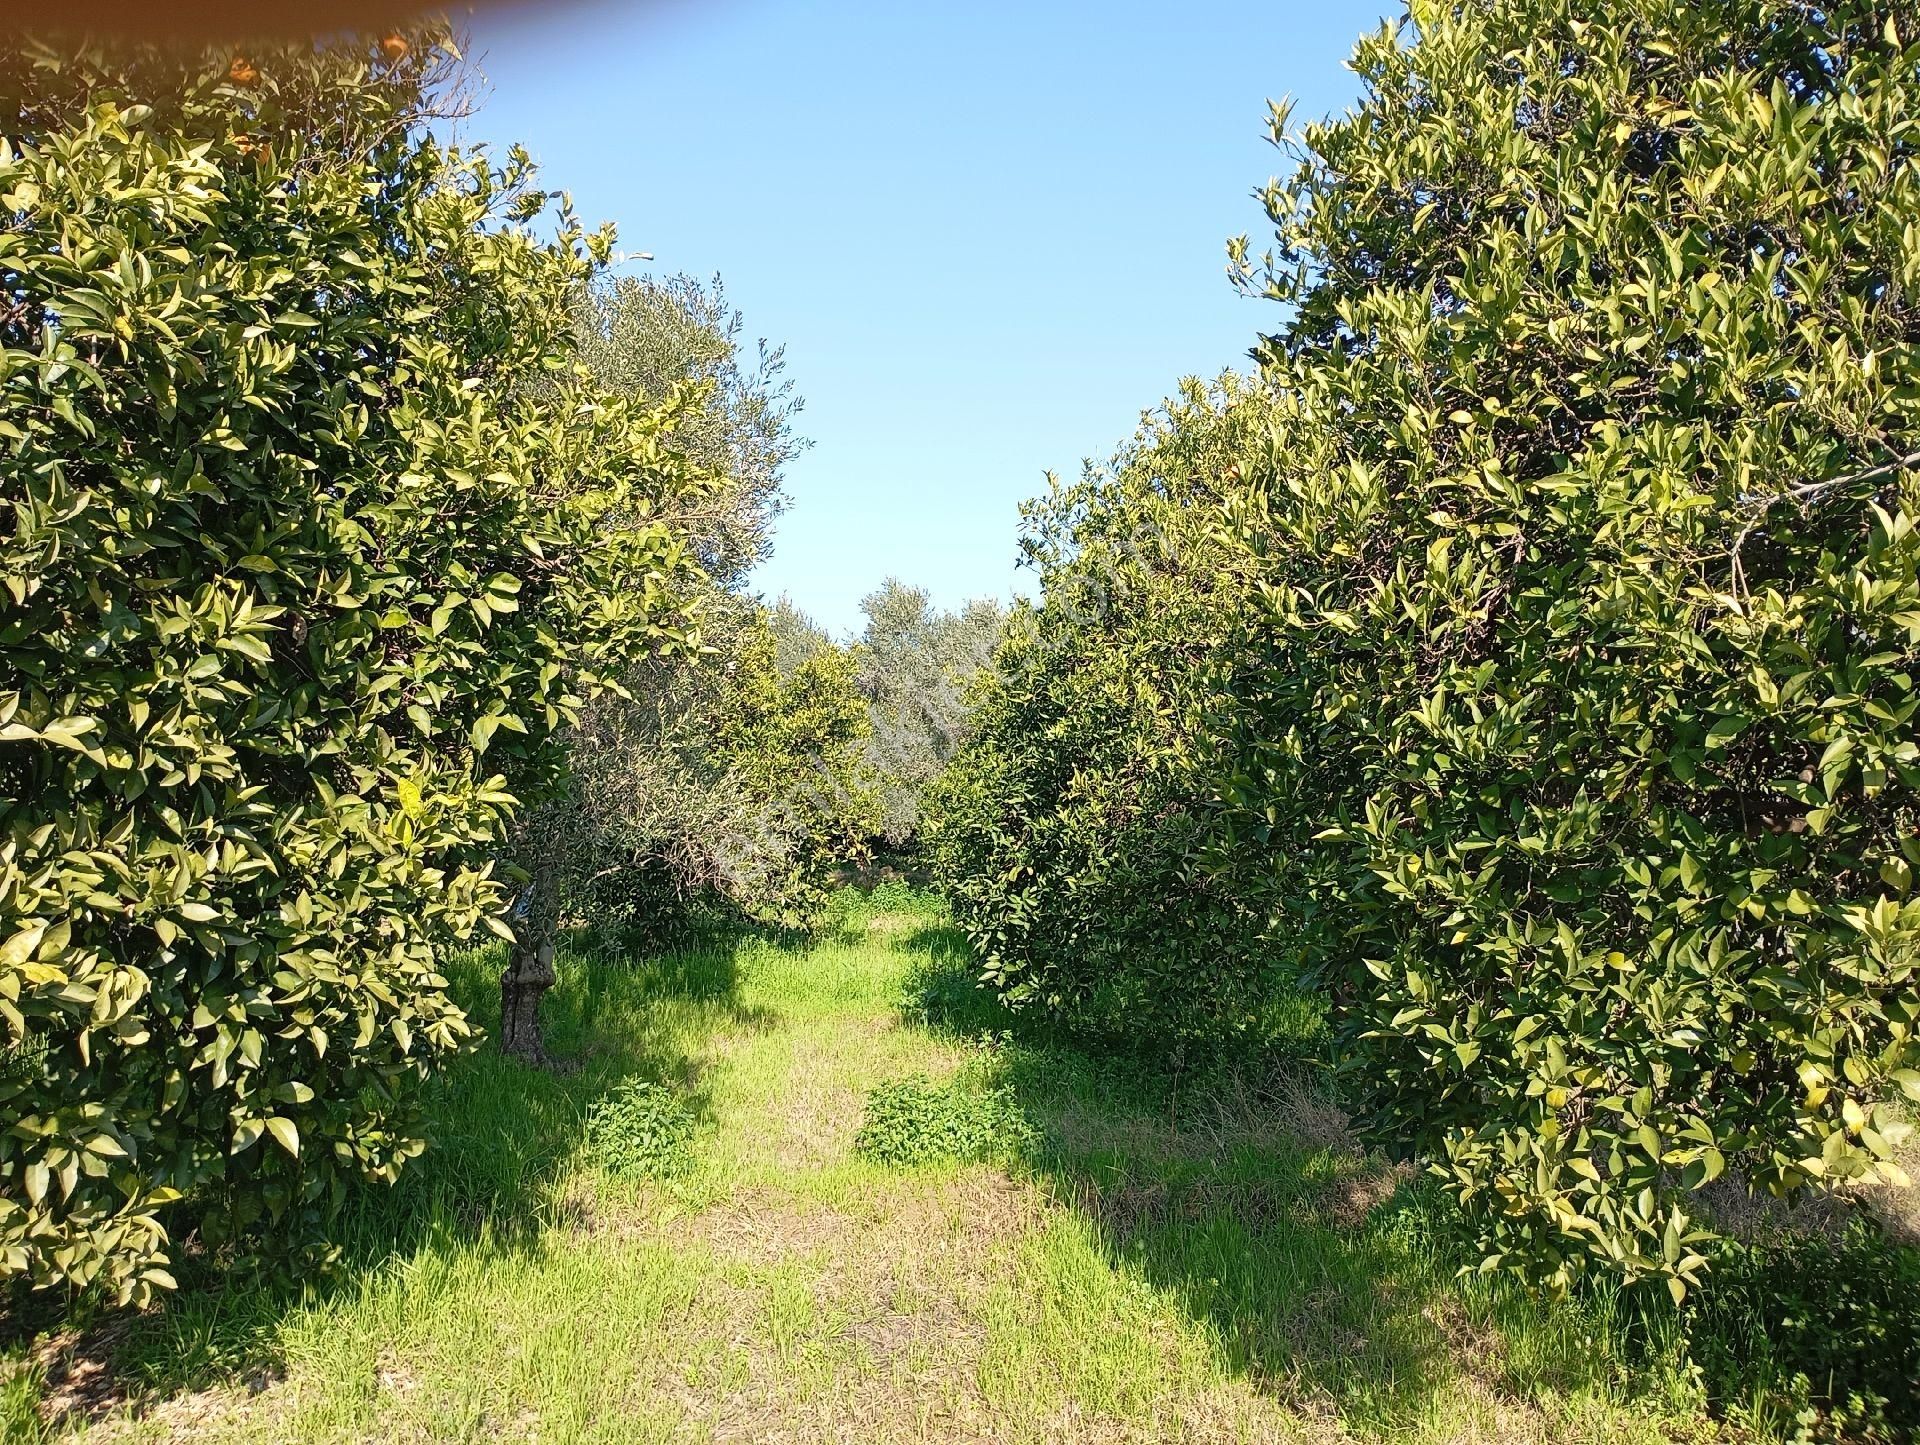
x: 529, y: 971
x: 523, y: 983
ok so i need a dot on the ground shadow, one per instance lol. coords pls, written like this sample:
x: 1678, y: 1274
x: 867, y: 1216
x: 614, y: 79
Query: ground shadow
x: 502, y: 1137
x: 1795, y: 1324
x: 1226, y: 1176
x: 1230, y: 1180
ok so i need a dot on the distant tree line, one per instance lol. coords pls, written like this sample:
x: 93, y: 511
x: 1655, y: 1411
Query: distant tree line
x: 917, y: 666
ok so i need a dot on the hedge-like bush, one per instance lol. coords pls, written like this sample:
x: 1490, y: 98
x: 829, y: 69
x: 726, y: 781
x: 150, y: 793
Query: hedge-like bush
x: 1063, y: 832
x: 1573, y: 731
x: 313, y: 538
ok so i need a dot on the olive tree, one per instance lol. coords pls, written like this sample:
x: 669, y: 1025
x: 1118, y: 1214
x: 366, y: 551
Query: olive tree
x: 740, y: 782
x: 916, y: 666
x: 733, y: 775
x: 644, y: 336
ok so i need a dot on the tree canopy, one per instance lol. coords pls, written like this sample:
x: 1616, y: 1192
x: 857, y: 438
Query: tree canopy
x: 318, y: 539
x: 1552, y: 715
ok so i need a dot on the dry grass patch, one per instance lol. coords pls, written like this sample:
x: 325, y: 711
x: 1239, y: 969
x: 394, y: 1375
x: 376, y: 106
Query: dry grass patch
x: 862, y: 1324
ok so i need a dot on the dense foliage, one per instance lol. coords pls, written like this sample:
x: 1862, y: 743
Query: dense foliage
x: 741, y: 781
x: 1823, y: 1333
x: 1572, y: 737
x: 315, y: 538
x: 1528, y: 658
x: 1064, y: 832
x: 917, y: 664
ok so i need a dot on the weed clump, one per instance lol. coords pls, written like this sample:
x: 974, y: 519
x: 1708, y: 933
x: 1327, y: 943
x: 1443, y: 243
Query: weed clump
x: 1816, y: 1339
x: 915, y: 1121
x: 642, y: 1129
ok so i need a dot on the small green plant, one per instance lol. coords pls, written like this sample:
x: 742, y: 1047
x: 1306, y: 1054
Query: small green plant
x: 19, y: 1403
x: 1815, y: 1339
x: 916, y: 1121
x: 642, y: 1128
x: 897, y: 895
x: 854, y: 909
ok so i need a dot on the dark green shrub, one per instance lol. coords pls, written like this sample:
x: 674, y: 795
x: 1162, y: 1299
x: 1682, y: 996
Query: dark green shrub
x: 1570, y: 737
x: 915, y: 1121
x: 314, y: 539
x: 642, y: 1128
x: 1817, y: 1339
x: 1064, y: 830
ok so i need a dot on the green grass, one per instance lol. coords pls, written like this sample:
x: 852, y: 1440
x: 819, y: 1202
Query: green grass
x: 1155, y: 1255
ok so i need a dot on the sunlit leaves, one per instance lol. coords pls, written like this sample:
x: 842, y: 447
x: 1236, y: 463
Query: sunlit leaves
x: 1575, y: 718
x: 307, y: 509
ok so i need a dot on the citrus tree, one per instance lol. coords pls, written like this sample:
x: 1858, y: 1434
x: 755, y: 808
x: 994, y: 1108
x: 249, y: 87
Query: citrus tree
x: 316, y: 536
x: 1064, y: 831
x: 1570, y: 734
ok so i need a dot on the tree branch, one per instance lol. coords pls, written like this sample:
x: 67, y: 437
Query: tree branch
x: 1804, y: 494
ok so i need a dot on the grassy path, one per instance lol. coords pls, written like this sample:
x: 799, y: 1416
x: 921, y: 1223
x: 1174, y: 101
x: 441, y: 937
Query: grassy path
x: 1217, y: 1265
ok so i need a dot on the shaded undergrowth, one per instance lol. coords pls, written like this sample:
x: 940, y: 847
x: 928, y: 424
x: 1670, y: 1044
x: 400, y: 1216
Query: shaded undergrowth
x: 1815, y: 1337
x: 1227, y: 1176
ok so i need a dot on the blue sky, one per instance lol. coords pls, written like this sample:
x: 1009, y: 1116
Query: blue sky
x: 989, y: 234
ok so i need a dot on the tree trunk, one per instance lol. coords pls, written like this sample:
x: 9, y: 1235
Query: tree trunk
x: 523, y: 983
x: 529, y: 971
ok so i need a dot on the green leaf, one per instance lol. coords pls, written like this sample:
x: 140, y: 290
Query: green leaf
x: 67, y: 732
x: 1725, y: 730
x: 21, y: 946
x: 284, y: 1134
